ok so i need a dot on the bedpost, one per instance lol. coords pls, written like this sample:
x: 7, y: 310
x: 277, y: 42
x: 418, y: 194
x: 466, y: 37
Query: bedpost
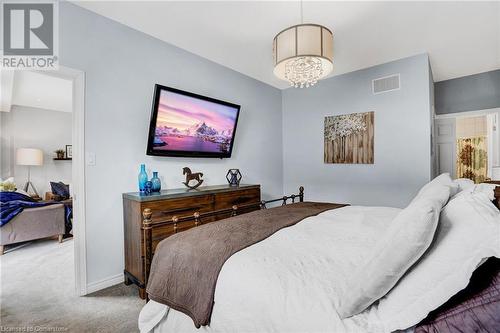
x: 147, y: 228
x: 301, y: 194
x: 263, y: 204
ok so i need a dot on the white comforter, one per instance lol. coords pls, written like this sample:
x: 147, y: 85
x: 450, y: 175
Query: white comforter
x: 288, y: 282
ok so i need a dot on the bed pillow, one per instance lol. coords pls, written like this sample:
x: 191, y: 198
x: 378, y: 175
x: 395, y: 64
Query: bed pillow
x: 60, y: 189
x: 487, y: 189
x: 441, y: 180
x: 468, y: 233
x: 463, y: 183
x: 404, y: 242
x: 8, y: 184
x: 484, y: 188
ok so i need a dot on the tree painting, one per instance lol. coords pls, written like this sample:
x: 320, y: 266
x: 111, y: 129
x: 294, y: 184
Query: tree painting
x: 349, y: 138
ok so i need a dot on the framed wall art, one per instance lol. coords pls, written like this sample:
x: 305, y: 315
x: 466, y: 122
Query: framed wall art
x: 349, y: 138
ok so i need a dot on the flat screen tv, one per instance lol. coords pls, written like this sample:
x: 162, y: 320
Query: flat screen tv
x: 190, y: 125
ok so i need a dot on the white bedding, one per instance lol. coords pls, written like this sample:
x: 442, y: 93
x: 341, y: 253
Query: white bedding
x: 289, y: 282
x: 286, y: 283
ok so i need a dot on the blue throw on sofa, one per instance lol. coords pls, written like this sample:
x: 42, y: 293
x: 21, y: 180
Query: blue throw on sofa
x: 13, y: 203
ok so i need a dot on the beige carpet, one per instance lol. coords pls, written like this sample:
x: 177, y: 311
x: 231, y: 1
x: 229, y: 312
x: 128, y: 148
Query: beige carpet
x: 37, y: 290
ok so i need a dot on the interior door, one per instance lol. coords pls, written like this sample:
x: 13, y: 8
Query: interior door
x: 445, y: 134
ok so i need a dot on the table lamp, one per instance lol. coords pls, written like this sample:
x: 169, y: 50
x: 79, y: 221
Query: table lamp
x: 29, y: 157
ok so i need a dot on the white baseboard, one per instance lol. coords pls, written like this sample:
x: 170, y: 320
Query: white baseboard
x: 104, y: 283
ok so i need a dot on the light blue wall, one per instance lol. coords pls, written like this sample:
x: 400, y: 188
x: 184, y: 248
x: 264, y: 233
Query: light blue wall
x: 468, y: 93
x: 43, y: 129
x: 121, y: 66
x: 402, y: 136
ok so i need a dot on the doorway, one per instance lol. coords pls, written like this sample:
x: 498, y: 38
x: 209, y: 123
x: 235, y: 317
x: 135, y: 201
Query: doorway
x: 56, y: 99
x: 467, y: 144
x: 78, y: 171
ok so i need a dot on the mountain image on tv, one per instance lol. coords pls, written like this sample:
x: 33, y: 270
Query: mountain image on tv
x: 186, y: 123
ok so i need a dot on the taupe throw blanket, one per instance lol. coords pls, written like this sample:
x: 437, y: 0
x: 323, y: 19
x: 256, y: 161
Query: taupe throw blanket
x: 186, y: 265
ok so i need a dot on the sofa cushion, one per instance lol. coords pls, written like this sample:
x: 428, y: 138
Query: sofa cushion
x: 60, y: 189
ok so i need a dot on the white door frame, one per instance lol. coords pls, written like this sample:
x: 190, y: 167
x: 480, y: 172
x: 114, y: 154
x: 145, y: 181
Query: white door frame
x: 476, y: 113
x: 78, y: 173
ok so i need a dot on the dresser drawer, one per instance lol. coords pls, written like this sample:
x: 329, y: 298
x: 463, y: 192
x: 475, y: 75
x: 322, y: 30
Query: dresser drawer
x: 165, y: 210
x: 238, y: 198
x: 160, y: 233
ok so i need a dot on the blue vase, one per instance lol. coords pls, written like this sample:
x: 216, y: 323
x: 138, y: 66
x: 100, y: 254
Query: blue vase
x: 156, y: 182
x: 147, y: 188
x: 143, y: 178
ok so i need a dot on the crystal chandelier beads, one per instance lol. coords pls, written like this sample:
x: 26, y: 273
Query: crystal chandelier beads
x: 303, y: 71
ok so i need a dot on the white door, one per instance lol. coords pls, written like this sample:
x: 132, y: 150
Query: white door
x: 446, y: 151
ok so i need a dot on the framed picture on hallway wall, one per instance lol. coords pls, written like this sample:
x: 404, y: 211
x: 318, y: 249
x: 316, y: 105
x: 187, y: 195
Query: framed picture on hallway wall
x: 69, y: 151
x: 349, y: 138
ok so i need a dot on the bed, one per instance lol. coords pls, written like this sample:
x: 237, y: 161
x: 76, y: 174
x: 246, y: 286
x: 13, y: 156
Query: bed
x: 24, y: 219
x: 295, y: 280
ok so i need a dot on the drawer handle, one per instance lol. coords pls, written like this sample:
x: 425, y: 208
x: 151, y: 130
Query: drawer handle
x: 241, y: 200
x: 180, y: 210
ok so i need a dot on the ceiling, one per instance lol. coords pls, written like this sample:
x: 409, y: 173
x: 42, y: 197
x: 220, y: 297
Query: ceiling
x: 35, y: 90
x: 461, y: 38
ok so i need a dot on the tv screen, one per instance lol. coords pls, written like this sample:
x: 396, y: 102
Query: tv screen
x: 186, y: 124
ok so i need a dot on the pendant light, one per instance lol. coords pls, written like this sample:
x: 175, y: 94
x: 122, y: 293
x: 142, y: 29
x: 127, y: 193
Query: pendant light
x: 303, y: 53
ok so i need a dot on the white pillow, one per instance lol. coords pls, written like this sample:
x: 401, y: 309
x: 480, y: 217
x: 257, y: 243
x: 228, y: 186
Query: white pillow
x: 7, y: 180
x: 7, y: 184
x: 463, y: 184
x: 488, y: 189
x: 11, y: 180
x: 407, y: 238
x: 468, y: 232
x: 443, y: 179
x: 22, y: 192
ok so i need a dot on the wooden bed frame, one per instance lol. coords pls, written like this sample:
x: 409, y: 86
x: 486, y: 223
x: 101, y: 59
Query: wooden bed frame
x: 148, y: 225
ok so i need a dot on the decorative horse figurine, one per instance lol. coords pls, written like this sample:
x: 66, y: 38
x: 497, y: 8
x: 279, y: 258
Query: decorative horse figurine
x: 192, y: 176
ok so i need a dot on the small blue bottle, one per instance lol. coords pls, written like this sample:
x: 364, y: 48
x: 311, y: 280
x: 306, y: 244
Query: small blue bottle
x: 148, y: 186
x: 156, y: 182
x: 143, y: 178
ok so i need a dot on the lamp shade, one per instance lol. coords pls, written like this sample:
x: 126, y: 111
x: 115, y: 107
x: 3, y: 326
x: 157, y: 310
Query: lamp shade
x: 303, y: 54
x: 495, y: 173
x: 29, y: 156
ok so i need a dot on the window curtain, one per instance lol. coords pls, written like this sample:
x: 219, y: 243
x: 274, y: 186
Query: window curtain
x: 472, y: 158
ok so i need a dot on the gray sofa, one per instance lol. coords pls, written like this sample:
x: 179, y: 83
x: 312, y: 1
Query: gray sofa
x: 33, y: 223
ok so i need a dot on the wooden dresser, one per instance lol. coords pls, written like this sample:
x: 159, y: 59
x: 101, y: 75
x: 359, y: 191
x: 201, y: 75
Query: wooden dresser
x: 167, y: 204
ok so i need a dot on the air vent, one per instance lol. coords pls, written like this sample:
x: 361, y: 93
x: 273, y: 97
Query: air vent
x: 385, y: 84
